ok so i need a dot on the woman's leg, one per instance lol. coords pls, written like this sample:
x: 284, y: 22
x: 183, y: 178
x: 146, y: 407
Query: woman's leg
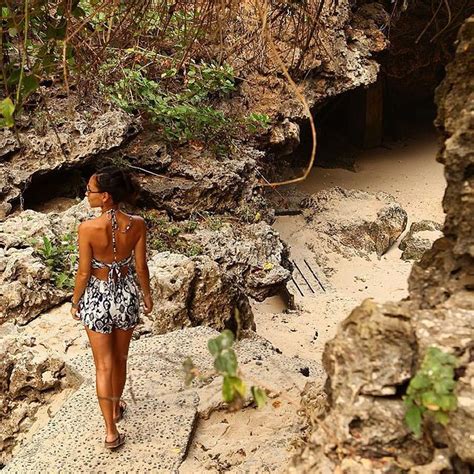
x: 121, y: 340
x: 102, y: 350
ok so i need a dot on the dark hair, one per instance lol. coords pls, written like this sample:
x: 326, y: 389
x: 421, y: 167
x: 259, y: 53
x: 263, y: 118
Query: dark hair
x: 118, y: 183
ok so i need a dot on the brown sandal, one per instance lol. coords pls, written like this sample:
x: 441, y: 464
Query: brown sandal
x: 123, y: 407
x: 118, y: 441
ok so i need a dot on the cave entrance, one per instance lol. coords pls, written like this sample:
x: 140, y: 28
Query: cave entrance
x: 377, y: 116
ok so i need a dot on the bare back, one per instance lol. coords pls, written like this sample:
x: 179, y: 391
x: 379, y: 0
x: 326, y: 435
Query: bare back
x: 100, y: 237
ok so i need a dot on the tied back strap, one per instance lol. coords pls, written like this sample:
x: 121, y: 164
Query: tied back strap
x: 114, y: 266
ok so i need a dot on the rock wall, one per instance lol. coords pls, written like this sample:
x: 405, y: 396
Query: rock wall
x: 356, y: 424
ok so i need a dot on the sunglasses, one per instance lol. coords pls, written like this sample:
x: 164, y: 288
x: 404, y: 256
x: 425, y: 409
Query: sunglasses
x: 88, y: 191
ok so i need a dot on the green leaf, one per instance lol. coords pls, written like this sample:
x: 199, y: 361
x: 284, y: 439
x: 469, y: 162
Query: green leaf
x: 420, y: 381
x: 413, y: 420
x: 259, y: 396
x: 239, y: 386
x: 7, y: 108
x: 213, y: 347
x: 431, y: 401
x: 29, y: 84
x: 447, y: 402
x: 441, y: 417
x: 226, y: 338
x: 226, y: 362
x: 228, y: 391
x: 231, y: 387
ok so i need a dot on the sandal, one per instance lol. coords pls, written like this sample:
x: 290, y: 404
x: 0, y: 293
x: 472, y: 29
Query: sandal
x: 123, y: 407
x: 118, y: 441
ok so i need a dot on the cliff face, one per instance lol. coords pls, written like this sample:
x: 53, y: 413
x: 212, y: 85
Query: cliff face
x: 356, y: 424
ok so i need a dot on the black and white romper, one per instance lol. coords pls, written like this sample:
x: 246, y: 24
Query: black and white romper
x: 111, y: 303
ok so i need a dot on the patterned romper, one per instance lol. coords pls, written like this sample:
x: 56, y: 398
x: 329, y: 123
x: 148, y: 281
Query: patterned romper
x: 111, y: 303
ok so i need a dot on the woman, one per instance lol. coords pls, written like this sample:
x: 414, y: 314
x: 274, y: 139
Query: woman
x: 106, y: 296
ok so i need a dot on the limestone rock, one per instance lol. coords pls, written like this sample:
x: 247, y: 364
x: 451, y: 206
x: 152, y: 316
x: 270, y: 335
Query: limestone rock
x: 162, y: 412
x: 362, y: 425
x: 29, y: 374
x: 419, y: 239
x: 81, y: 139
x: 26, y: 289
x: 196, y: 180
x: 358, y: 221
x: 26, y: 286
x: 285, y: 137
x: 191, y: 292
x: 455, y: 120
x: 253, y: 256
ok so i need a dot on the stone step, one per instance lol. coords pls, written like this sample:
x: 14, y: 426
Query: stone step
x: 162, y: 411
x: 158, y: 432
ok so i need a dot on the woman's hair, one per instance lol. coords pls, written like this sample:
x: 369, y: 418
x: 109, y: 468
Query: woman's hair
x: 118, y: 183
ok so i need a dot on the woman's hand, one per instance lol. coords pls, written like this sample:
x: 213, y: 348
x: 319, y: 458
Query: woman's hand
x: 148, y: 303
x: 74, y: 314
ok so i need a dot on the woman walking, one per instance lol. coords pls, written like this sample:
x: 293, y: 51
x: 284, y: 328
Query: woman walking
x: 106, y: 297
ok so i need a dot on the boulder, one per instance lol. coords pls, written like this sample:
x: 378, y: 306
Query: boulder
x: 192, y: 292
x: 361, y: 223
x: 26, y: 289
x: 253, y: 256
x: 29, y: 376
x: 419, y: 239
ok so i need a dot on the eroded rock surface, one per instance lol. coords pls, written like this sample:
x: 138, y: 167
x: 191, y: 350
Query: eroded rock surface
x: 379, y: 347
x: 193, y: 292
x: 29, y: 375
x: 355, y: 221
x: 162, y: 412
x: 72, y: 142
x: 419, y: 239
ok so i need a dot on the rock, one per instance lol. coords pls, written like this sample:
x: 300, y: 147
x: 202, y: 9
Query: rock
x: 26, y: 285
x: 191, y: 292
x: 284, y: 137
x: 326, y: 68
x: 81, y: 140
x: 455, y: 100
x: 196, y: 180
x: 358, y: 221
x: 364, y: 420
x: 419, y: 238
x: 29, y: 375
x: 253, y: 256
x: 375, y: 334
x: 26, y: 289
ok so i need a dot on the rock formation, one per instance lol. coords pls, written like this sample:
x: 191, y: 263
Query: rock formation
x: 419, y: 238
x: 29, y: 376
x: 358, y: 420
x: 353, y: 221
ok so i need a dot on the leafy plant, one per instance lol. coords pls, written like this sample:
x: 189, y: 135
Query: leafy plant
x: 256, y: 122
x: 226, y: 365
x: 60, y: 258
x: 431, y: 390
x: 182, y: 115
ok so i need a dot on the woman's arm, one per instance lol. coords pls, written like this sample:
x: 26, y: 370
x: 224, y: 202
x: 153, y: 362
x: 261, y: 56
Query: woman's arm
x: 85, y: 258
x: 141, y: 265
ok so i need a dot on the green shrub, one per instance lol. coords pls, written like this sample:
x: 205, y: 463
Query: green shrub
x: 431, y: 390
x: 226, y: 365
x: 183, y: 115
x: 60, y: 258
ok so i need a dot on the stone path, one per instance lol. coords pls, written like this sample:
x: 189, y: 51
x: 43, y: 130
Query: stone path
x: 162, y: 412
